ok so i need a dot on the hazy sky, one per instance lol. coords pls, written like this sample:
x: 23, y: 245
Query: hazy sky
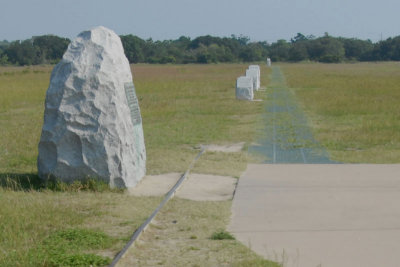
x: 261, y: 20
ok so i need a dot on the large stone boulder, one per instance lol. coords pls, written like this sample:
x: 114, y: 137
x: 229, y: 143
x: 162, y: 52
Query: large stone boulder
x: 244, y: 88
x: 92, y: 123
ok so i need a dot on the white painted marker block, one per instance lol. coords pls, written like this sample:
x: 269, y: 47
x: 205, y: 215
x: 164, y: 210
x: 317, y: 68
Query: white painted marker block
x: 268, y: 62
x: 244, y: 88
x: 257, y: 67
x: 253, y: 73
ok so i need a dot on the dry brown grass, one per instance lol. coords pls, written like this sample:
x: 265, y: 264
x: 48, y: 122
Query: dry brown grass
x: 181, y: 236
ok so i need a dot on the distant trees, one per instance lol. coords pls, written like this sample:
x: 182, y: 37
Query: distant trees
x: 357, y: 50
x: 37, y: 50
x: 23, y: 53
x: 3, y: 57
x: 298, y: 52
x: 279, y: 51
x: 299, y: 48
x: 386, y: 50
x: 133, y: 47
x: 203, y: 49
x: 209, y: 49
x: 326, y: 49
x: 51, y: 47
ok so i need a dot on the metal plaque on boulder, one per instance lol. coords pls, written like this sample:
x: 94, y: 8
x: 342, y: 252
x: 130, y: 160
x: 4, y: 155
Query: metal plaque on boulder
x: 133, y: 103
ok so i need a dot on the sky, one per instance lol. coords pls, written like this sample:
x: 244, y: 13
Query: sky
x: 260, y: 20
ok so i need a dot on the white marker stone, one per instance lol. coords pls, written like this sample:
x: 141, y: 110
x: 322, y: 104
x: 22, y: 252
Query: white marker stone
x: 268, y: 62
x: 92, y: 123
x: 257, y: 67
x: 253, y: 73
x: 244, y: 88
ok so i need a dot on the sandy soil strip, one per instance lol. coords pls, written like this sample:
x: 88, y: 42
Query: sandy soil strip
x: 155, y: 185
x: 225, y: 148
x: 199, y: 187
x: 206, y: 187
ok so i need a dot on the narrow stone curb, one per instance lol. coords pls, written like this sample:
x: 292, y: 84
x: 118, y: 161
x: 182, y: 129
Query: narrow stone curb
x: 144, y: 226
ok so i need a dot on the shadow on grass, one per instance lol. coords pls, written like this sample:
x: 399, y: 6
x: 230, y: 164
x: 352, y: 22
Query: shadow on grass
x: 21, y: 181
x: 32, y: 182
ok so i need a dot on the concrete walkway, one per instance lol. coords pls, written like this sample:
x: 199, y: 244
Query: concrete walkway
x: 308, y: 213
x: 286, y: 136
x: 325, y: 215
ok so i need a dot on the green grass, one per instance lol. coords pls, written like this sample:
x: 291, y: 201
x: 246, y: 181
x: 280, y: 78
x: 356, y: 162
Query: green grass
x: 22, y: 94
x: 222, y: 235
x: 354, y: 113
x: 169, y: 239
x: 64, y: 248
x: 222, y: 163
x: 37, y: 227
x: 182, y: 107
x: 354, y: 108
x: 27, y: 182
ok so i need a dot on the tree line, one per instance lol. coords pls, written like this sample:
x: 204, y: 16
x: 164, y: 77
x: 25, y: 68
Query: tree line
x: 48, y: 49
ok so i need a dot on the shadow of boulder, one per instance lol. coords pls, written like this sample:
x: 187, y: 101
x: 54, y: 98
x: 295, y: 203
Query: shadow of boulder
x: 21, y: 181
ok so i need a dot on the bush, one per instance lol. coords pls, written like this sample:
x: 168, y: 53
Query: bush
x: 222, y: 235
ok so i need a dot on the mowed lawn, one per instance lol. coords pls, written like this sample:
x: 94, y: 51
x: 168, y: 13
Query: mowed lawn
x: 354, y: 109
x: 183, y: 106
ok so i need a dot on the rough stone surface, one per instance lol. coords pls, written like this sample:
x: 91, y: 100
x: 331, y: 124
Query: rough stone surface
x: 253, y: 73
x: 244, y: 88
x: 257, y: 67
x: 92, y: 123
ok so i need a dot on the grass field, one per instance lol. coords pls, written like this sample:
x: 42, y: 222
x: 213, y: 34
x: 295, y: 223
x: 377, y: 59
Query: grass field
x: 67, y: 228
x: 182, y: 108
x: 354, y: 108
x: 183, y: 235
x: 186, y: 106
x: 22, y: 92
